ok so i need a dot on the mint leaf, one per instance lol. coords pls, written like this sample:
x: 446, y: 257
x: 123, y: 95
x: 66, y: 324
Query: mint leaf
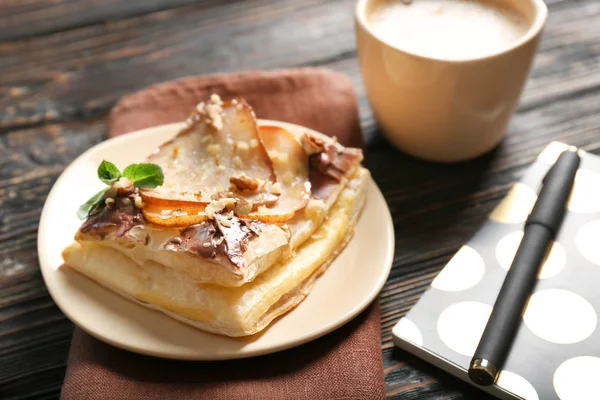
x: 108, y: 172
x: 144, y: 175
x: 95, y: 202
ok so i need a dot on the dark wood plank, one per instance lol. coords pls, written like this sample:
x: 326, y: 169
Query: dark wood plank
x: 414, y: 379
x: 47, y: 81
x: 27, y: 18
x: 34, y: 334
x: 83, y: 72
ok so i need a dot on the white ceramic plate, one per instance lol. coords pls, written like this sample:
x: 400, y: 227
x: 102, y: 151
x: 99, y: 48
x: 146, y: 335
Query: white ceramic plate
x: 348, y: 286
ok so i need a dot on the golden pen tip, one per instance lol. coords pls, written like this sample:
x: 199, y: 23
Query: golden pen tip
x: 482, y: 372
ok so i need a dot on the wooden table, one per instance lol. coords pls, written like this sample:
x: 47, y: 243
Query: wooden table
x: 64, y: 64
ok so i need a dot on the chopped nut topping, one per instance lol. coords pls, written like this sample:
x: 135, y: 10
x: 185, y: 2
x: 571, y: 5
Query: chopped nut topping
x: 206, y: 244
x: 109, y: 201
x: 263, y: 210
x: 214, y: 113
x: 213, y: 149
x: 123, y: 183
x: 243, y: 146
x: 225, y: 222
x: 237, y: 161
x: 121, y: 187
x: 221, y: 168
x: 217, y: 206
x: 253, y: 143
x: 126, y: 201
x: 311, y: 144
x: 229, y: 141
x: 219, y: 241
x: 243, y: 182
x: 329, y: 157
x: 228, y: 201
x: 215, y: 99
x: 243, y: 207
x: 276, y: 188
x: 211, y: 113
x: 288, y: 177
x: 139, y: 203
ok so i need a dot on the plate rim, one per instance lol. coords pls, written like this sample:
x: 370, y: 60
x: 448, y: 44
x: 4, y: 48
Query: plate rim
x: 342, y: 320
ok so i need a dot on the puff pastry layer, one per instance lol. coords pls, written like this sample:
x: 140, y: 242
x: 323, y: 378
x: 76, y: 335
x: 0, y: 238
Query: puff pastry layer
x: 232, y: 311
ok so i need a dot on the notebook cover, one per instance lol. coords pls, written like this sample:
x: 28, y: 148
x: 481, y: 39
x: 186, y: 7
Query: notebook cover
x: 556, y: 352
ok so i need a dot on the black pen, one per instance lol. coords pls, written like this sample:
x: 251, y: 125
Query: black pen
x: 540, y: 229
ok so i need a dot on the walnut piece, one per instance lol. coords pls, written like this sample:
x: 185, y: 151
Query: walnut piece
x: 244, y: 183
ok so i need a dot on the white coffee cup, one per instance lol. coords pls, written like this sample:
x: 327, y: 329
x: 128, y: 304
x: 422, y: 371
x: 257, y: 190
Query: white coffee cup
x: 445, y: 110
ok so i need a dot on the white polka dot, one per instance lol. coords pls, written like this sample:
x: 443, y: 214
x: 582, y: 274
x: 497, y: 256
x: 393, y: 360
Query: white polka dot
x: 560, y: 316
x: 461, y: 325
x: 516, y: 384
x: 587, y: 243
x: 585, y: 197
x: 555, y: 261
x: 463, y: 271
x: 577, y: 379
x: 407, y: 329
x: 516, y: 206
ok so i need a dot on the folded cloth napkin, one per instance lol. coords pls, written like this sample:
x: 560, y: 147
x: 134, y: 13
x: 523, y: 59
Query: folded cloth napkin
x: 345, y: 364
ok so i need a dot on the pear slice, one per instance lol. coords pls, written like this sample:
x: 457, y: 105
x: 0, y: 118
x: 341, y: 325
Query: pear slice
x: 290, y: 164
x: 221, y: 141
x: 174, y: 219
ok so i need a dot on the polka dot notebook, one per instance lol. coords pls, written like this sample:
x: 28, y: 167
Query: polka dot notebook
x: 556, y: 352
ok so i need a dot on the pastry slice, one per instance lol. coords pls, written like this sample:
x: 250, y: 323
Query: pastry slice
x: 236, y: 198
x: 232, y: 311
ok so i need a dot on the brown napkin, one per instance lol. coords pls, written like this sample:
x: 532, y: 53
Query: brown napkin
x: 345, y: 364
